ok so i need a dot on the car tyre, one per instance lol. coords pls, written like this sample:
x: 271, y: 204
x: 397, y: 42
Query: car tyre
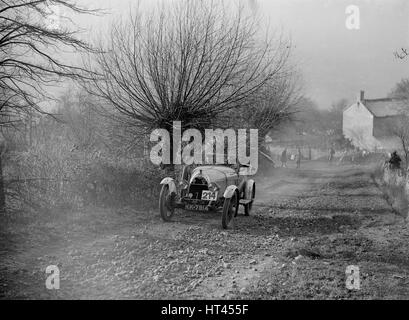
x: 166, y: 203
x: 230, y: 208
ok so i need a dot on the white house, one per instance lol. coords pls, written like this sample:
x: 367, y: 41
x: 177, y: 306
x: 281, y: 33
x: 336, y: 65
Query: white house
x: 369, y: 123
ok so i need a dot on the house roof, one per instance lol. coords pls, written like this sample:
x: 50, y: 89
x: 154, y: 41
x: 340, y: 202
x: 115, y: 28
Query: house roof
x: 385, y: 107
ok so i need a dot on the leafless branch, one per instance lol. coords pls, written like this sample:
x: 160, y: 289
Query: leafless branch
x: 29, y: 55
x: 190, y: 62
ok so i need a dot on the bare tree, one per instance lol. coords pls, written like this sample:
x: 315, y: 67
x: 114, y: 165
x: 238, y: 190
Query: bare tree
x: 189, y: 62
x: 30, y: 59
x: 275, y: 104
x: 30, y: 50
x: 401, y: 90
x: 359, y: 138
x: 402, y: 53
x: 400, y: 127
x: 401, y: 131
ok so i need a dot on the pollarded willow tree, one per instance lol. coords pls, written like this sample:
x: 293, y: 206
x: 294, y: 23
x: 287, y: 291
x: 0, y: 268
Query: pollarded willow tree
x: 189, y: 61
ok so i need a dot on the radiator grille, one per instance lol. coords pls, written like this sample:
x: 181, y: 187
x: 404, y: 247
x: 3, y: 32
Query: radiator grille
x: 197, y: 186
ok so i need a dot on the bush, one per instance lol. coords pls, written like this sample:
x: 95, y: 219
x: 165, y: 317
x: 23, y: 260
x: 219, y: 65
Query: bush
x: 53, y: 175
x: 395, y: 185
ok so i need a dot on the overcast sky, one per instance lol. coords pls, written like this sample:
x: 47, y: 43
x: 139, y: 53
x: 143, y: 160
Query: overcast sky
x: 334, y: 62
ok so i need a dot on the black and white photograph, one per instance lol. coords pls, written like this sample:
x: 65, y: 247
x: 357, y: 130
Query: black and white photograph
x: 204, y: 154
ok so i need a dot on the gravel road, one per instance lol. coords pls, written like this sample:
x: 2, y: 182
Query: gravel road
x: 306, y: 227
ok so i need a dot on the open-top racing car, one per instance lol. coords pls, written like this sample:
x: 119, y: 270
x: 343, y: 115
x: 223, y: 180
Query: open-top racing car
x: 209, y: 188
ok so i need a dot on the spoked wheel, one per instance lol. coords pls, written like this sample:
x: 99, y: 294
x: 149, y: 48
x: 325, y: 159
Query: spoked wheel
x: 230, y: 208
x: 249, y: 206
x: 166, y: 203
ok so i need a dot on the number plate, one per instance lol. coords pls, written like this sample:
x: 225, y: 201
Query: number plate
x: 209, y: 195
x: 196, y: 207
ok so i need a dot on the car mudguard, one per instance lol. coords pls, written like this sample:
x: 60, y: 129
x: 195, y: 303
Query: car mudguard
x: 171, y: 183
x: 248, y: 189
x: 228, y: 193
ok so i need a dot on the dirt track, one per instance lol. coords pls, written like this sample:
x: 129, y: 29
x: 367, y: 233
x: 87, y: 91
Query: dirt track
x: 307, y: 226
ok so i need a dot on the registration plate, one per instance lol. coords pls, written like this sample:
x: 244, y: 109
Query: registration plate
x: 209, y: 195
x: 196, y: 207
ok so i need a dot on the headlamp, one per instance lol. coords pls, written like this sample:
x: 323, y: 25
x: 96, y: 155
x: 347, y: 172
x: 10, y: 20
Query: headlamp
x: 183, y: 184
x: 213, y: 187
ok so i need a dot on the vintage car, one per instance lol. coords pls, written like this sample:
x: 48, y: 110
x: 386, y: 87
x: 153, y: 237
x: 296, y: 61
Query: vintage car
x: 208, y: 188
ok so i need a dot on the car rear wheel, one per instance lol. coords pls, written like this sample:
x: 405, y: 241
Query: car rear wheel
x: 230, y: 208
x: 166, y: 203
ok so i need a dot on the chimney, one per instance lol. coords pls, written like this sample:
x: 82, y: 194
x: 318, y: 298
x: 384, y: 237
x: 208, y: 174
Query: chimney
x: 361, y: 96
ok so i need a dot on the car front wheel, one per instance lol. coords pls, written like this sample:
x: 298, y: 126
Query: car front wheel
x: 230, y: 208
x: 166, y: 203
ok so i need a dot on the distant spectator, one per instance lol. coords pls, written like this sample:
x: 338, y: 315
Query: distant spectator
x: 394, y: 161
x: 354, y: 155
x: 331, y: 154
x: 343, y: 155
x: 299, y: 155
x: 284, y: 158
